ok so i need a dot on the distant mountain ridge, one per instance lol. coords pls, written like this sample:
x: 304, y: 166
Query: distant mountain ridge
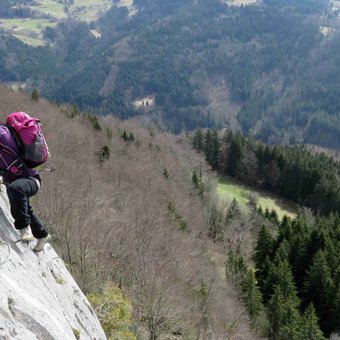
x: 277, y: 82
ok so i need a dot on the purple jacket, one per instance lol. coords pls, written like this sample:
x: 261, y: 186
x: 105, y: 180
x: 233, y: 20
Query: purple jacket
x: 9, y: 161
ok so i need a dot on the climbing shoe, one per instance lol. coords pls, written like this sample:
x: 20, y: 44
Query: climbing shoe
x: 26, y: 234
x: 41, y: 242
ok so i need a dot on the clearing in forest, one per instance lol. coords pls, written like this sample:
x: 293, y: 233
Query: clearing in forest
x: 229, y: 189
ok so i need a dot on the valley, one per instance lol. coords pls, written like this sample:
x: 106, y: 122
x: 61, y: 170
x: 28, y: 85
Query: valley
x: 173, y: 106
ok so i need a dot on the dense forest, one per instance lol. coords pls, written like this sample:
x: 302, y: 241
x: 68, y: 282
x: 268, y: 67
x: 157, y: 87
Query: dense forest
x: 295, y: 285
x: 290, y: 281
x: 284, y: 78
x: 299, y: 268
x: 310, y: 179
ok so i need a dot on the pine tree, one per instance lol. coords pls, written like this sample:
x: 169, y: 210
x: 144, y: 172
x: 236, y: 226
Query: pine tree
x: 290, y: 321
x: 283, y: 316
x: 275, y: 315
x: 252, y: 295
x: 35, y: 95
x: 263, y: 249
x: 310, y: 329
x: 286, y: 282
x: 234, y: 211
x: 320, y: 289
x: 235, y: 154
x: 336, y: 304
x: 195, y: 179
x: 198, y: 141
x: 215, y: 157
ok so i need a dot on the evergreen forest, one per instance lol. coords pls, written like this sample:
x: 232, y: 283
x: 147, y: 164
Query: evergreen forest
x: 294, y: 284
x: 280, y: 82
x: 295, y: 172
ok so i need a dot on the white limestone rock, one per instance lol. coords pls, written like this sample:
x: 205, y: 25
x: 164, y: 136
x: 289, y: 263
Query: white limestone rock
x: 39, y: 298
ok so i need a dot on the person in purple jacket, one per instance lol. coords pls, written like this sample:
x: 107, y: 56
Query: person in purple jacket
x: 21, y: 183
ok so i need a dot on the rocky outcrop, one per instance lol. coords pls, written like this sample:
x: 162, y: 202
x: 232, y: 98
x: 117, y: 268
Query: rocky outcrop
x: 39, y: 298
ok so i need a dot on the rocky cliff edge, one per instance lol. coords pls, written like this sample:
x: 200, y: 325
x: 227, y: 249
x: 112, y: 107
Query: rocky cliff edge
x: 39, y: 298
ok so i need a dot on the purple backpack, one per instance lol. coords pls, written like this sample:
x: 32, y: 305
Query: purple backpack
x: 29, y: 138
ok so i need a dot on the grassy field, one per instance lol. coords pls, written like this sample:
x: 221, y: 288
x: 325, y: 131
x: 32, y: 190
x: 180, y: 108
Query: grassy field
x: 27, y: 30
x: 228, y: 189
x: 50, y: 7
x: 83, y: 10
x: 30, y: 30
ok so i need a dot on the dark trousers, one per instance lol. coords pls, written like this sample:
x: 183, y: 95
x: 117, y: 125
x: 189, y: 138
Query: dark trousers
x: 19, y: 193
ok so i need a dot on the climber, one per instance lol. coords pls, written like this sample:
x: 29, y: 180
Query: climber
x: 22, y: 182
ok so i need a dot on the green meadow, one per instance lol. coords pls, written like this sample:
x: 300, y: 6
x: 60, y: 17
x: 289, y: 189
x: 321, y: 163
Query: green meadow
x: 30, y: 30
x: 82, y: 10
x: 27, y: 30
x: 229, y: 189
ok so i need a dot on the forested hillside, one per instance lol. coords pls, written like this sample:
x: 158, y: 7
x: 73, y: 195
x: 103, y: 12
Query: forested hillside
x: 122, y: 208
x: 310, y: 179
x: 271, y: 68
x: 133, y: 212
x: 295, y: 283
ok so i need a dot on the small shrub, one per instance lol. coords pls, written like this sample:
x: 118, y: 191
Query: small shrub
x: 128, y: 137
x: 35, y: 95
x: 176, y: 216
x: 73, y: 112
x: 236, y: 269
x: 60, y: 281
x: 114, y: 312
x: 94, y: 121
x: 76, y: 333
x: 202, y: 290
x: 104, y: 153
x: 10, y: 302
x: 165, y: 173
x: 109, y: 133
x: 197, y: 182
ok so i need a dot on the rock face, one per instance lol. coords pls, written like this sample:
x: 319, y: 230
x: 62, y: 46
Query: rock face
x: 39, y: 298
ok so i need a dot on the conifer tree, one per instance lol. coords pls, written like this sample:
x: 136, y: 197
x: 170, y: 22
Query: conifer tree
x: 35, y: 95
x: 198, y: 141
x: 235, y: 154
x: 320, y: 289
x: 286, y: 282
x: 233, y: 212
x: 212, y: 148
x: 252, y: 295
x: 290, y: 321
x: 310, y: 329
x: 216, y: 151
x: 283, y: 316
x: 263, y: 251
x: 195, y: 180
x: 336, y: 304
x: 275, y: 315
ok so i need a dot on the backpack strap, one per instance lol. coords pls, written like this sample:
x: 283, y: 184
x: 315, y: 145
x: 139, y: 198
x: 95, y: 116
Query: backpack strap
x: 18, y: 164
x: 17, y: 138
